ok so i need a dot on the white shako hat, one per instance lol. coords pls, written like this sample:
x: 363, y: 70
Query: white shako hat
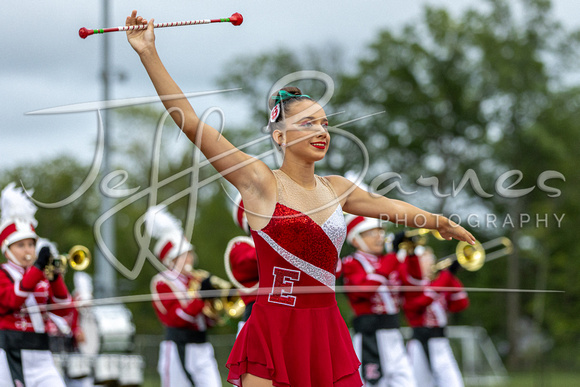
x: 171, y: 242
x: 17, y: 221
x: 239, y: 215
x: 355, y: 225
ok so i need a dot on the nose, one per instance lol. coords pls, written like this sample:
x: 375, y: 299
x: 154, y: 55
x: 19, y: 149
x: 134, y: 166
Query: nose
x: 323, y: 131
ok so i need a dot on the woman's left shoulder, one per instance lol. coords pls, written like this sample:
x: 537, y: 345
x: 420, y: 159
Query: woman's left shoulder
x: 336, y: 179
x: 339, y: 183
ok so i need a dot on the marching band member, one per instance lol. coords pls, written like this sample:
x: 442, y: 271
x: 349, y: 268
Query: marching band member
x: 242, y: 262
x: 25, y: 356
x: 377, y: 341
x: 186, y: 358
x: 426, y: 311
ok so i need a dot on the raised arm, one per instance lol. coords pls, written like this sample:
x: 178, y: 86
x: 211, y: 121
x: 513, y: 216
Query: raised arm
x: 361, y: 202
x: 243, y: 171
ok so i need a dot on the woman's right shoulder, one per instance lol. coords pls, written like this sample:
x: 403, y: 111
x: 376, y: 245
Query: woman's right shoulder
x: 262, y: 188
x: 265, y: 178
x: 260, y: 200
x: 252, y: 175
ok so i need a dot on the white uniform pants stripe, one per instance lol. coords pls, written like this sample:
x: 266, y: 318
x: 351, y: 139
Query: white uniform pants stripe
x: 443, y: 370
x: 395, y: 365
x: 199, y: 361
x: 38, y: 369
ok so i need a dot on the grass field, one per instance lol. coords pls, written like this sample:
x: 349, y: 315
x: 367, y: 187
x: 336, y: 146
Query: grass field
x: 548, y: 379
x: 529, y: 379
x: 149, y: 347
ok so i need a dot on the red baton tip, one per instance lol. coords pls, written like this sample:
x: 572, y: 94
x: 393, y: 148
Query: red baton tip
x: 236, y: 19
x: 83, y: 32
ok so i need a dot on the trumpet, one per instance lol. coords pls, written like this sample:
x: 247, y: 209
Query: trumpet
x: 472, y: 257
x: 78, y: 258
x: 219, y: 308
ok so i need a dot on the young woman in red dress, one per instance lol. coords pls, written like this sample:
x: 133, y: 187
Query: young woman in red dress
x: 292, y: 338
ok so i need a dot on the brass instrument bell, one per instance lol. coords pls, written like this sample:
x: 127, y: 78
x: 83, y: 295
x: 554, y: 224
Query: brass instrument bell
x: 222, y: 307
x: 78, y: 258
x: 472, y: 257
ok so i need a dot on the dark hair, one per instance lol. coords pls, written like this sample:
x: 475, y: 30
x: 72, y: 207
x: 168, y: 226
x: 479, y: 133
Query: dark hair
x: 285, y: 103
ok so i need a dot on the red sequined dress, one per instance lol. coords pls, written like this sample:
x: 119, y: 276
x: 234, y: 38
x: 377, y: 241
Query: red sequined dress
x: 295, y: 335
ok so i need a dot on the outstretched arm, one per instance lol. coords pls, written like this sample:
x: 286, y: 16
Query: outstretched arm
x: 361, y: 202
x: 243, y: 171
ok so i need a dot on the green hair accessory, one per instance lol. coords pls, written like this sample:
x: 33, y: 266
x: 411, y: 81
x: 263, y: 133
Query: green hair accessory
x: 283, y: 95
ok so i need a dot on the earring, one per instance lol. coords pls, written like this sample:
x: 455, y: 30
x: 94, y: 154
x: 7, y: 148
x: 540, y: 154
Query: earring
x: 283, y: 145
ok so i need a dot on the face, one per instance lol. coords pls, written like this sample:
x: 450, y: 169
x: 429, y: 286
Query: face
x: 24, y: 252
x: 183, y: 263
x: 427, y: 261
x: 374, y: 241
x: 306, y: 131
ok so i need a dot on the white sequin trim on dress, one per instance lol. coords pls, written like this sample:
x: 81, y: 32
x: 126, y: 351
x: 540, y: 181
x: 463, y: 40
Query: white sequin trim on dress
x: 315, y: 272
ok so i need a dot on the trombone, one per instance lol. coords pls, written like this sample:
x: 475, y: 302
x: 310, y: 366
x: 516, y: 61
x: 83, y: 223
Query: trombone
x: 219, y: 308
x: 472, y: 257
x: 78, y: 258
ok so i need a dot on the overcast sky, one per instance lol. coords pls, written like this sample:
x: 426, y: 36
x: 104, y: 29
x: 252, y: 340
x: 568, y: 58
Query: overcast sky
x: 45, y: 64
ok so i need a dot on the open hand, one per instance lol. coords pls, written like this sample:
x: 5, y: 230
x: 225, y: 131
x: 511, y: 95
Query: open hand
x: 140, y: 40
x: 449, y: 229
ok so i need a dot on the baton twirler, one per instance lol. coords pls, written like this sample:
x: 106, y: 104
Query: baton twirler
x: 236, y: 19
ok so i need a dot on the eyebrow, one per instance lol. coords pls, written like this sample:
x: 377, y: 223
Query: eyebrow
x: 318, y: 118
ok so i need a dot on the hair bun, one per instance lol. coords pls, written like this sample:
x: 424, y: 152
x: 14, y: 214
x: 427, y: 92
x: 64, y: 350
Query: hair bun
x: 289, y: 89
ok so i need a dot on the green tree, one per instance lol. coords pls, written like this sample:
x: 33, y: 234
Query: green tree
x: 74, y: 222
x: 481, y: 93
x: 484, y: 95
x: 52, y: 181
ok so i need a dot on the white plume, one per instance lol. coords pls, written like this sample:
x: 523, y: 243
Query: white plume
x: 16, y: 205
x: 83, y: 286
x: 42, y: 242
x: 159, y: 222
